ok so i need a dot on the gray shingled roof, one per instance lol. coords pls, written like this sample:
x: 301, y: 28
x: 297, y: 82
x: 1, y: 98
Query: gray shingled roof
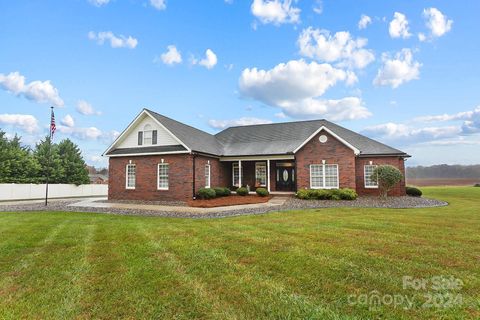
x: 265, y: 139
x: 195, y: 139
x: 282, y: 138
x: 152, y: 149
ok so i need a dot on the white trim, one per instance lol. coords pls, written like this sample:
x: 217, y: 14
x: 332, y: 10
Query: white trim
x: 161, y: 125
x: 355, y: 150
x: 239, y: 173
x: 323, y: 165
x: 146, y: 154
x: 209, y: 176
x: 258, y: 158
x: 158, y: 176
x: 263, y: 164
x: 134, y: 122
x: 233, y: 173
x: 365, y: 177
x: 126, y: 176
x: 268, y: 175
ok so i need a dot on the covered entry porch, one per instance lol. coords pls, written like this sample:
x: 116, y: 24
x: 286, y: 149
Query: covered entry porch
x: 275, y: 173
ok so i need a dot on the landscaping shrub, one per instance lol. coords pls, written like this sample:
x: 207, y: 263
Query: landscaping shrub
x: 303, y: 194
x: 414, y: 192
x: 262, y: 192
x: 327, y: 194
x: 388, y: 176
x: 242, y: 191
x: 322, y: 194
x: 222, y: 192
x: 347, y: 194
x: 477, y: 185
x: 206, y: 193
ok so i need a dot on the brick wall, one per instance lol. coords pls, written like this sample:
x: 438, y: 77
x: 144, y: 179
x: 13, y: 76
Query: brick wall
x: 333, y: 152
x: 399, y: 189
x: 218, y: 172
x: 180, y: 178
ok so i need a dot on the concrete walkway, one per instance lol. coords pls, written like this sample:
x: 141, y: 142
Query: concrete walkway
x: 94, y: 203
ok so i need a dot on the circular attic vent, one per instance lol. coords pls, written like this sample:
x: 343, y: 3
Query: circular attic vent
x: 323, y: 138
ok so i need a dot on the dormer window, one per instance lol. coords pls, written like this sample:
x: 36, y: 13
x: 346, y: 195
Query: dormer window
x: 148, y: 136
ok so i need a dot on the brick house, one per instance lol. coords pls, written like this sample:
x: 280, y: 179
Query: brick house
x: 158, y: 158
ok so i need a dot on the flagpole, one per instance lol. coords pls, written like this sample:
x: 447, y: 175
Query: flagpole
x: 48, y: 159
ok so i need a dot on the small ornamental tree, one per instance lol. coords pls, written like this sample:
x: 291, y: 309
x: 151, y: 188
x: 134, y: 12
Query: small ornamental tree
x: 388, y: 176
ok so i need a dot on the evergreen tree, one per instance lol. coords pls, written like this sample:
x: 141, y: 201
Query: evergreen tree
x: 17, y: 163
x: 49, y: 161
x: 74, y: 167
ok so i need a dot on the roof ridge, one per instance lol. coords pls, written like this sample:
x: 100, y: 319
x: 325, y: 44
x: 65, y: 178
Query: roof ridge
x: 269, y: 124
x: 187, y: 125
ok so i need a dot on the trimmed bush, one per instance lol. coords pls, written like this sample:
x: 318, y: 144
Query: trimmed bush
x: 388, y: 176
x: 262, y: 192
x: 242, y: 191
x: 414, y: 192
x: 477, y: 185
x: 327, y: 194
x: 303, y: 194
x: 206, y: 193
x: 222, y: 192
x: 347, y: 194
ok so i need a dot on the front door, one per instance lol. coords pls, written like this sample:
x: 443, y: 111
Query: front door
x: 285, y: 179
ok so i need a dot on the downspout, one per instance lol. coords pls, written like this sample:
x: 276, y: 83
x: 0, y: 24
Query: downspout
x: 193, y: 176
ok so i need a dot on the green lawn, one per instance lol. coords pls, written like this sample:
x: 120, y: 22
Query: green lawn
x: 299, y: 264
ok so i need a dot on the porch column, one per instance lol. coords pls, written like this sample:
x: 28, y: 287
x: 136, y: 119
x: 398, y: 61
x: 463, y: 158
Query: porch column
x: 239, y: 173
x: 268, y: 174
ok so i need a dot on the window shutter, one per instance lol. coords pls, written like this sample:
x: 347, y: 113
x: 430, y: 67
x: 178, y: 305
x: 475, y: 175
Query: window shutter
x: 154, y: 137
x: 140, y: 138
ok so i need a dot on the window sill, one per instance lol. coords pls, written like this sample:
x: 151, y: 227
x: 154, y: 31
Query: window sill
x: 371, y: 187
x: 162, y: 189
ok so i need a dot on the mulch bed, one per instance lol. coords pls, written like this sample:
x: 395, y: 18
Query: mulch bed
x: 232, y: 200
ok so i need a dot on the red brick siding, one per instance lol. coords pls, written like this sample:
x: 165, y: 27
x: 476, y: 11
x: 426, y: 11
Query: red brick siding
x: 333, y: 152
x: 399, y: 189
x: 217, y: 172
x: 180, y: 178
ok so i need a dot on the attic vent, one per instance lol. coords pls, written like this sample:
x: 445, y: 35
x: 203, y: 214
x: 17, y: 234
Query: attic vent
x: 323, y: 138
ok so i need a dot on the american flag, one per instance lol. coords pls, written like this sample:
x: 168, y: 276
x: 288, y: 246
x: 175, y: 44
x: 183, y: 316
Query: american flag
x: 53, y: 127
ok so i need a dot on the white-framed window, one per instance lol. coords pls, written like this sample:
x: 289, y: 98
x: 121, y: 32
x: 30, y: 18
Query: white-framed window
x: 162, y: 183
x: 207, y: 176
x: 324, y: 176
x: 261, y: 174
x: 147, y: 135
x: 235, y: 174
x: 130, y: 173
x: 368, y: 171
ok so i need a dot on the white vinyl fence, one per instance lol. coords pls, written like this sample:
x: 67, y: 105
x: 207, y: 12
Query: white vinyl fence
x: 13, y: 191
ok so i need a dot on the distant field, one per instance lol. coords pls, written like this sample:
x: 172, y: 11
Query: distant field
x: 442, y: 182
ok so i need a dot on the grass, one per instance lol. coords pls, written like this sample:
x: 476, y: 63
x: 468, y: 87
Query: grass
x: 290, y: 265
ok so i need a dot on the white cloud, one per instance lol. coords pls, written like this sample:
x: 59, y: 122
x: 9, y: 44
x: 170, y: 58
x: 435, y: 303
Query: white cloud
x: 209, y: 61
x: 68, y: 121
x: 404, y: 134
x: 437, y: 22
x: 364, y: 22
x: 85, y: 108
x: 172, y: 56
x: 397, y: 70
x: 26, y: 122
x: 295, y: 87
x: 471, y: 120
x: 275, y: 11
x: 90, y: 133
x: 341, y: 48
x: 38, y: 91
x: 229, y: 1
x: 422, y: 37
x: 318, y: 7
x: 115, y: 41
x: 399, y: 26
x: 244, y: 121
x: 99, y: 3
x: 159, y: 4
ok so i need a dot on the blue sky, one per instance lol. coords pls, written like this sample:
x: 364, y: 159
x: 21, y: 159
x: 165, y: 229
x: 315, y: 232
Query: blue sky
x: 407, y: 74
